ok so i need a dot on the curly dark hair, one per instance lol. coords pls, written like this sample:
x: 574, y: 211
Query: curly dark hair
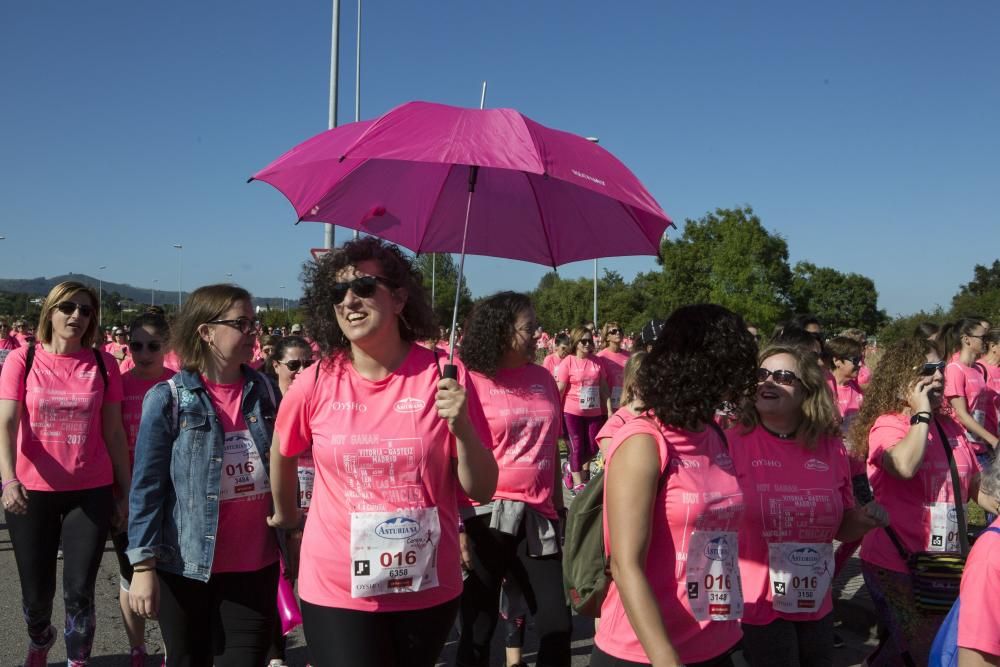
x: 416, y: 322
x: 489, y: 330
x: 703, y: 357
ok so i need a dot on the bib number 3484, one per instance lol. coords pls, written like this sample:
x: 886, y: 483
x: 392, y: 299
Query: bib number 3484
x: 394, y: 552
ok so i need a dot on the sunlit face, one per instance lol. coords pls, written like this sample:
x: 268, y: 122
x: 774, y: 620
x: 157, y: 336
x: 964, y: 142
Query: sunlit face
x: 72, y: 325
x: 228, y: 344
x: 936, y: 393
x: 847, y: 368
x: 974, y: 339
x: 148, y: 349
x: 562, y: 350
x: 775, y: 398
x: 366, y: 318
x: 585, y: 345
x: 291, y: 365
x: 526, y: 334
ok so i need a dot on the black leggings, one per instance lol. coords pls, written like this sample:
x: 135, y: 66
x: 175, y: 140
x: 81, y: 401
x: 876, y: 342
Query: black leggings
x: 81, y: 519
x: 376, y: 639
x: 791, y: 643
x: 496, y: 555
x: 226, y: 621
x: 601, y: 659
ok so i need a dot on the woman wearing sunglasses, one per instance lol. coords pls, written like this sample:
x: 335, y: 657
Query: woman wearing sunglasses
x: 796, y: 481
x: 583, y: 385
x: 204, y: 560
x: 394, y: 444
x: 614, y: 359
x: 965, y: 382
x: 62, y: 399
x: 898, y: 433
x: 672, y: 502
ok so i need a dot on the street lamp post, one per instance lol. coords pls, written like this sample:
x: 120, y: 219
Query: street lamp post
x: 283, y: 309
x: 100, y: 295
x: 229, y: 277
x: 595, y: 140
x: 179, y: 249
x: 152, y: 293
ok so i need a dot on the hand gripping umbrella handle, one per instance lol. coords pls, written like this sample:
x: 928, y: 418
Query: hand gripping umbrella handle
x: 450, y: 372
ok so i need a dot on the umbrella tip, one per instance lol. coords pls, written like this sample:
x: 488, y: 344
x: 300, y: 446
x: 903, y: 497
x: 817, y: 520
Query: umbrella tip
x: 342, y: 158
x: 250, y: 180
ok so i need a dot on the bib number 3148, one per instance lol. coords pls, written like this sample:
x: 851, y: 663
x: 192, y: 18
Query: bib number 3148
x: 394, y: 552
x: 713, y: 583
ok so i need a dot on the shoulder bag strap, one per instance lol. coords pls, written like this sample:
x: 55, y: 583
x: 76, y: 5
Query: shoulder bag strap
x: 29, y: 360
x: 963, y: 530
x: 100, y: 364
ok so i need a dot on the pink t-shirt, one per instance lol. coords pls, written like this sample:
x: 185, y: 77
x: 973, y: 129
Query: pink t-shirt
x: 551, y: 362
x: 848, y: 399
x: 921, y: 508
x: 384, y: 465
x: 243, y: 541
x: 614, y: 366
x: 795, y: 501
x: 523, y: 410
x: 134, y: 391
x: 979, y: 616
x: 60, y: 440
x: 696, y: 515
x: 582, y: 377
x: 992, y: 423
x: 864, y: 374
x: 968, y: 382
x: 622, y: 416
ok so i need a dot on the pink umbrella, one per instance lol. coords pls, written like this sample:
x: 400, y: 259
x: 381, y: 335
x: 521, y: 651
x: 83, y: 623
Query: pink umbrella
x: 541, y: 195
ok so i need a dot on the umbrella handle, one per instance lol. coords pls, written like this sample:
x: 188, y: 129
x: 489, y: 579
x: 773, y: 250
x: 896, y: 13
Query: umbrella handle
x: 450, y: 372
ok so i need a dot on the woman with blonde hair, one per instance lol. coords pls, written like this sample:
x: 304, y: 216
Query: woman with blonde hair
x: 583, y: 385
x: 204, y: 560
x: 899, y: 434
x: 62, y: 456
x: 614, y: 358
x: 797, y: 492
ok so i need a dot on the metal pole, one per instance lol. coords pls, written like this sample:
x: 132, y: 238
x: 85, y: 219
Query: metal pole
x: 357, y: 81
x: 179, y: 248
x: 100, y: 295
x: 329, y: 237
x: 433, y: 279
x: 595, y: 294
x: 152, y: 294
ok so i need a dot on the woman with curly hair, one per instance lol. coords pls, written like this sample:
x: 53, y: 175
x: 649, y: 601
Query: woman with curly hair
x: 796, y: 483
x: 614, y: 359
x: 394, y: 444
x: 670, y: 486
x: 516, y: 535
x: 583, y: 385
x: 898, y: 433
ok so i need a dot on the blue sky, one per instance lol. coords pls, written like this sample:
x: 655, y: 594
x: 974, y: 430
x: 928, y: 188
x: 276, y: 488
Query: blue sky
x: 864, y: 133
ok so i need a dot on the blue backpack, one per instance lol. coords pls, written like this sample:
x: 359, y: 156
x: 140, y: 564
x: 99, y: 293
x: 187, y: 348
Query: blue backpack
x: 944, y: 650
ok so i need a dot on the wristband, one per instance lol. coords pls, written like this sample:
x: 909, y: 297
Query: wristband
x: 6, y: 484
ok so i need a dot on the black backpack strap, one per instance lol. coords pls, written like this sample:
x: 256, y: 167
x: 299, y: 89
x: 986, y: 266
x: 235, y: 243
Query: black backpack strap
x: 722, y: 434
x: 29, y: 360
x: 963, y: 530
x: 982, y: 369
x: 897, y: 543
x: 100, y: 364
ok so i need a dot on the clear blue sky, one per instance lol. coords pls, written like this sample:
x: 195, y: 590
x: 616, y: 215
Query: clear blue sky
x: 865, y: 133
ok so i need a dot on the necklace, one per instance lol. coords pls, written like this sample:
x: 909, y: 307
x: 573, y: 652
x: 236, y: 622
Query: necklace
x: 781, y: 436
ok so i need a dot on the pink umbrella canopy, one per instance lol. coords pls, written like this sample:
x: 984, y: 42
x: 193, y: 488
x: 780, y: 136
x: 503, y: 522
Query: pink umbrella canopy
x: 541, y: 195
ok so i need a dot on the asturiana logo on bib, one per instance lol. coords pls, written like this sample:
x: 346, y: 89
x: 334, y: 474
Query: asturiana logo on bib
x: 817, y: 465
x: 718, y: 549
x: 804, y: 556
x: 409, y: 405
x: 397, y: 528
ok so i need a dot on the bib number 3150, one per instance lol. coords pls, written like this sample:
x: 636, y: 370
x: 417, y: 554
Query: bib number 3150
x: 394, y: 552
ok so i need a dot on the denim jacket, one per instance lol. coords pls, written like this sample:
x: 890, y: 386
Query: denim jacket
x: 174, y: 501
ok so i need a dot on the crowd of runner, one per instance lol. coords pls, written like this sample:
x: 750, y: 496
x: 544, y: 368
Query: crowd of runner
x: 405, y: 493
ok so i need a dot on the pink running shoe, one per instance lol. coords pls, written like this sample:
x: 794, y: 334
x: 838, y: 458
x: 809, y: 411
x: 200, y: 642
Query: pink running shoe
x: 567, y: 476
x: 137, y: 656
x: 38, y: 654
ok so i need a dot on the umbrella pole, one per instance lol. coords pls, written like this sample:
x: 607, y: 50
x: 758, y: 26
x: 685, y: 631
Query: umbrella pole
x: 450, y: 370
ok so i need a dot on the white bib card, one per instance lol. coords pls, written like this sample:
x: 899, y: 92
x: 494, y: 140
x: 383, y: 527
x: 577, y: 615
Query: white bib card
x: 307, y: 476
x: 243, y: 473
x: 713, y: 576
x: 800, y: 575
x: 944, y: 528
x: 394, y: 552
x: 589, y: 397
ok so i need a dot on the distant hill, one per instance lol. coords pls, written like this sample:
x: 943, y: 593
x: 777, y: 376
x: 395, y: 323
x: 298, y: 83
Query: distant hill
x: 41, y: 286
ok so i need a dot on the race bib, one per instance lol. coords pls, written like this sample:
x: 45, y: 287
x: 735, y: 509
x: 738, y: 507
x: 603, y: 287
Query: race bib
x: 714, y: 590
x: 3, y: 356
x: 589, y: 397
x: 243, y: 473
x: 394, y: 552
x: 800, y: 575
x: 980, y: 417
x: 307, y: 476
x: 944, y: 527
x: 616, y: 397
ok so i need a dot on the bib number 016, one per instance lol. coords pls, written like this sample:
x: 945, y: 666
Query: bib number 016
x: 720, y: 582
x: 388, y: 559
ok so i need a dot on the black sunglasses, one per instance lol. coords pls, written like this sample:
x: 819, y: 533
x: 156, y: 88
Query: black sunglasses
x: 614, y: 332
x: 152, y: 346
x: 779, y: 377
x: 69, y: 307
x: 296, y: 365
x: 242, y: 324
x: 586, y: 341
x: 929, y: 369
x: 363, y: 287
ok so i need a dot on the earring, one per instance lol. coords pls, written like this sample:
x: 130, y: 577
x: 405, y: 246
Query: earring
x: 402, y: 319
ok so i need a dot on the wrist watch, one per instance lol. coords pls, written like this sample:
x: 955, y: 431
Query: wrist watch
x: 920, y: 418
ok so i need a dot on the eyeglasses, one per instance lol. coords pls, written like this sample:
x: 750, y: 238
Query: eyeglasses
x: 296, y: 365
x: 855, y: 360
x: 242, y: 324
x: 930, y: 369
x: 138, y: 345
x: 779, y: 377
x: 363, y: 287
x: 586, y: 341
x: 69, y: 307
x: 614, y: 332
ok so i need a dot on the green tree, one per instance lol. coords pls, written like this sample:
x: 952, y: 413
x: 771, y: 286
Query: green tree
x: 729, y: 258
x: 444, y: 268
x: 839, y: 300
x: 904, y: 326
x: 562, y: 304
x: 980, y: 296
